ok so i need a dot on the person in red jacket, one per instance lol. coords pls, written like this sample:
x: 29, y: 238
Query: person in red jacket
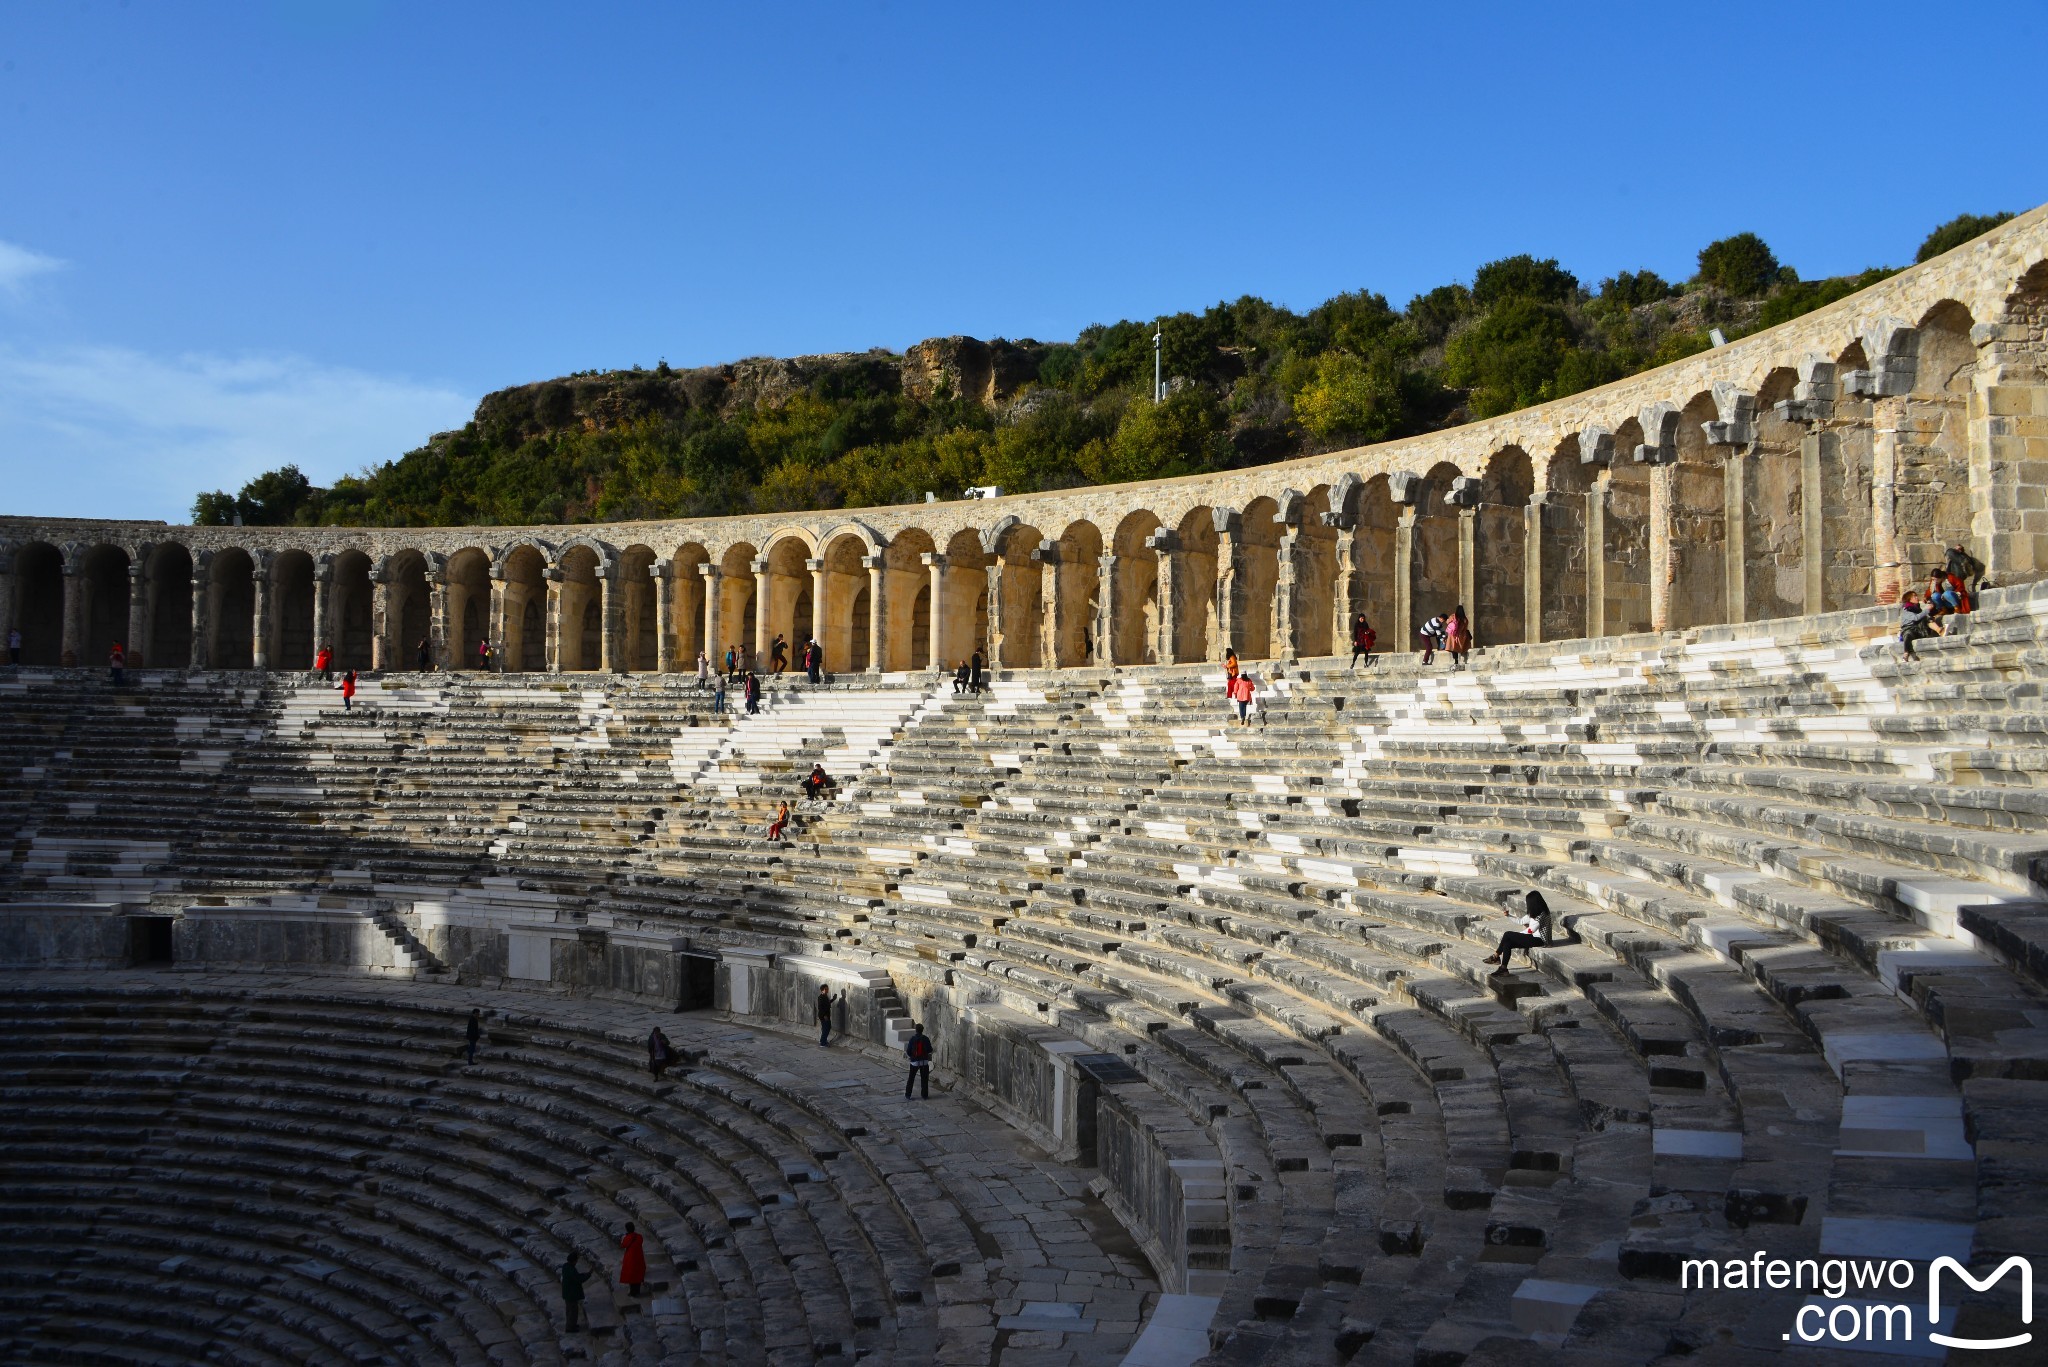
x: 323, y: 661
x: 348, y: 691
x: 632, y: 1267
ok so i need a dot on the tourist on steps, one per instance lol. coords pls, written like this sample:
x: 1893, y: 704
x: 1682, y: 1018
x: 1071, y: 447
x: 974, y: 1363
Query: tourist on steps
x: 1241, y: 690
x: 661, y: 1055
x: 1916, y: 624
x: 1363, y: 639
x: 348, y: 691
x: 961, y: 681
x: 780, y: 823
x: 1967, y: 570
x: 732, y: 662
x: 824, y: 1014
x: 703, y: 671
x: 814, y: 661
x: 817, y: 781
x: 778, y: 655
x: 14, y: 645
x: 117, y: 664
x: 425, y: 657
x: 1458, y: 637
x: 633, y: 1266
x: 1230, y: 668
x: 718, y: 698
x: 753, y: 693
x: 1534, y: 934
x: 323, y: 663
x: 483, y: 654
x: 918, y: 1049
x: 976, y: 677
x: 1432, y: 635
x: 572, y: 1289
x: 474, y: 1031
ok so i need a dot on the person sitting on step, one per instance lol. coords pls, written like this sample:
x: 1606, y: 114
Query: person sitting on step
x: 962, y: 680
x: 1916, y: 623
x: 818, y: 781
x: 1534, y: 934
x: 781, y: 822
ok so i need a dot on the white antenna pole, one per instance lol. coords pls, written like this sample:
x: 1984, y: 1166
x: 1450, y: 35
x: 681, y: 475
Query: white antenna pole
x: 1158, y: 384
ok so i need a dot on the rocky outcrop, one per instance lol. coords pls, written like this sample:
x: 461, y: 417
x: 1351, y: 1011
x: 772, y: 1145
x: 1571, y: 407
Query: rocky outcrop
x: 987, y: 372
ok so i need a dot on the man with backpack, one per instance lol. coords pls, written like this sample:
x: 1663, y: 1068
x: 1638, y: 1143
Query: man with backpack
x: 918, y: 1049
x: 1967, y: 568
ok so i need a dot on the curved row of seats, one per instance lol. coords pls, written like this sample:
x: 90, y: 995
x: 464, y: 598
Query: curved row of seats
x: 312, y: 1174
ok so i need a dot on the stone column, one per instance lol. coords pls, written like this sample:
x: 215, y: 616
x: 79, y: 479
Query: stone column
x: 877, y: 567
x: 552, y: 618
x: 1813, y: 554
x: 995, y: 612
x: 323, y: 576
x: 714, y: 648
x: 382, y: 619
x: 1287, y: 573
x: 662, y: 572
x: 1532, y: 567
x: 438, y: 618
x: 1663, y: 544
x: 762, y: 584
x: 2008, y: 444
x: 1344, y: 593
x: 1596, y: 554
x: 1889, y: 574
x: 1166, y: 645
x: 1229, y: 580
x: 259, y: 626
x: 1050, y: 613
x: 1735, y: 539
x: 611, y: 654
x: 202, y: 619
x: 1404, y: 578
x: 817, y: 569
x: 1468, y: 561
x: 935, y: 566
x: 72, y: 649
x: 139, y: 644
x: 494, y: 622
x: 1109, y: 607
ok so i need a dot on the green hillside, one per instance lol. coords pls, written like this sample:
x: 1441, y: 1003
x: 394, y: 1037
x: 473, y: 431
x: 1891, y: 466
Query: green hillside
x: 1249, y: 382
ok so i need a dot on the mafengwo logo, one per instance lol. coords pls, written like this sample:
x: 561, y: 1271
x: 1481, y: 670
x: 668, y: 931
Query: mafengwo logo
x: 1839, y: 1314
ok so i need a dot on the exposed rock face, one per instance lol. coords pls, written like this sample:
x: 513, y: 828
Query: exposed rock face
x: 987, y: 372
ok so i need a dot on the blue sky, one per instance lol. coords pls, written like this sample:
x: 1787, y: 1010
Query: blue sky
x: 233, y: 236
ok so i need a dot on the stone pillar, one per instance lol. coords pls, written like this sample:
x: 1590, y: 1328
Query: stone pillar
x: 817, y: 569
x: 139, y: 644
x: 611, y: 654
x: 995, y: 612
x: 662, y: 572
x: 259, y: 626
x: 1889, y: 574
x: 935, y: 567
x: 494, y: 622
x: 1166, y: 644
x: 1109, y: 599
x: 323, y: 576
x: 1404, y: 578
x: 1663, y: 544
x: 72, y: 650
x: 1735, y: 540
x: 552, y: 618
x: 1287, y: 577
x: 202, y: 619
x: 1468, y: 562
x: 1813, y: 551
x: 2008, y: 443
x: 762, y: 583
x: 1344, y: 593
x: 1532, y: 567
x: 1229, y: 580
x: 714, y: 648
x: 444, y: 653
x: 383, y: 620
x: 1596, y: 554
x: 877, y: 567
x: 1047, y: 556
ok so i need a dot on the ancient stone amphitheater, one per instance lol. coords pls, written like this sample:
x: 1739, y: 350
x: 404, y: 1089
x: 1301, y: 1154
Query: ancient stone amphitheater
x: 1223, y: 1075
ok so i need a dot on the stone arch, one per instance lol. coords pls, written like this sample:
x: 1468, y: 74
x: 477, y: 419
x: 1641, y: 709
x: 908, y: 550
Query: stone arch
x: 1196, y: 590
x: 1625, y: 539
x: 963, y: 613
x: 1256, y: 577
x: 1016, y: 623
x: 523, y: 572
x: 578, y: 628
x: 288, y: 634
x: 39, y: 616
x: 467, y: 583
x: 685, y: 589
x: 844, y: 627
x: 907, y: 601
x: 638, y: 644
x: 231, y: 609
x: 1134, y: 605
x: 1697, y: 572
x: 103, y: 602
x: 1435, y: 571
x: 1500, y: 561
x: 350, y: 609
x: 738, y: 587
x: 408, y: 608
x: 1561, y: 518
x: 1076, y: 626
x: 167, y: 577
x: 1774, y: 513
x: 791, y: 610
x: 1931, y: 506
x: 1315, y: 575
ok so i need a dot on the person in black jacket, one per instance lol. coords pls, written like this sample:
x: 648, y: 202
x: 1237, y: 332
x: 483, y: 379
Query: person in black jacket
x: 572, y: 1289
x: 918, y: 1049
x: 1534, y: 934
x: 824, y: 1014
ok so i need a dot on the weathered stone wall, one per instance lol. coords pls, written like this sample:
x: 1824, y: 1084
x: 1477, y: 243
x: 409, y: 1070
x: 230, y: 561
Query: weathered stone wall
x: 35, y: 935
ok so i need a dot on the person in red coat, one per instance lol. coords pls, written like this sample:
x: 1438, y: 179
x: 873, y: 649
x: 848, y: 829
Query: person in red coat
x: 348, y: 690
x: 633, y: 1267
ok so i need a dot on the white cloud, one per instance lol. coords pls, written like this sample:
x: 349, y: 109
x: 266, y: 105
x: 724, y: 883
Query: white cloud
x: 19, y: 265
x: 109, y: 432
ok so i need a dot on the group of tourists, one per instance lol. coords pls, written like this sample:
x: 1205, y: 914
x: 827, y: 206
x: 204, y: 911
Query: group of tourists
x: 970, y: 675
x: 632, y: 1275
x: 1952, y: 588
